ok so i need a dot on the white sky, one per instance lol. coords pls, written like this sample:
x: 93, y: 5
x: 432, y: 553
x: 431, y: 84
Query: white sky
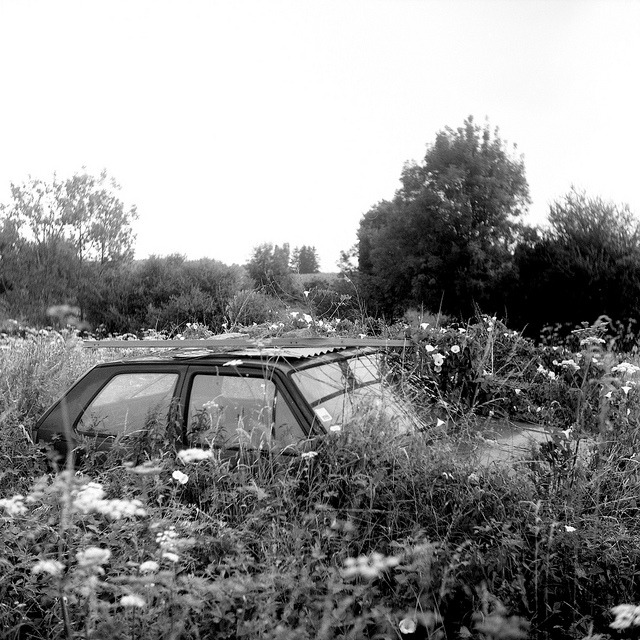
x: 233, y: 123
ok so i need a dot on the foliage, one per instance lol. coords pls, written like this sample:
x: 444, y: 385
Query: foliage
x: 446, y: 239
x: 51, y: 236
x: 305, y: 260
x: 585, y: 265
x: 269, y: 268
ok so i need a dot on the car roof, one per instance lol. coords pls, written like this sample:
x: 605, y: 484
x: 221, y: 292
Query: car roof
x: 285, y: 357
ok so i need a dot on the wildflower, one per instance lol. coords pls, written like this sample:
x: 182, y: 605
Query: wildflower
x: 424, y: 325
x: 167, y: 539
x: 149, y: 566
x: 88, y: 496
x: 626, y: 389
x: 626, y: 368
x: 591, y: 340
x: 309, y: 455
x: 180, y: 477
x: 194, y: 455
x: 429, y: 348
x: 170, y: 556
x: 368, y: 566
x: 439, y: 423
x: 570, y: 364
x: 232, y: 363
x: 438, y: 359
x: 627, y: 615
x: 14, y: 506
x: 93, y: 557
x: 569, y: 528
x: 608, y: 395
x: 306, y: 294
x: 407, y: 625
x: 462, y: 331
x: 307, y: 318
x: 473, y: 478
x: 335, y: 428
x: 455, y: 349
x: 52, y: 567
x: 132, y: 600
x: 518, y: 391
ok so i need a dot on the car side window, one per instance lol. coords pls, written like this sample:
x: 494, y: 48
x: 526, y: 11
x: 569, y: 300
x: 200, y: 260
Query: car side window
x: 128, y: 403
x: 228, y: 410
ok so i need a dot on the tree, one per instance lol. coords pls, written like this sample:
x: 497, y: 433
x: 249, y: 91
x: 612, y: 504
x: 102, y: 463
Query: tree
x: 447, y: 237
x: 52, y: 236
x: 305, y: 260
x: 269, y: 267
x: 586, y: 264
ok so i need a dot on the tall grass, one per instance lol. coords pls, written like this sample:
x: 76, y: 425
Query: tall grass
x: 362, y: 534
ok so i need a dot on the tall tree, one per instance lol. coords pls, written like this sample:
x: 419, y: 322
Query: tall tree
x: 587, y: 263
x: 448, y: 235
x: 305, y: 260
x: 62, y: 230
x: 269, y: 267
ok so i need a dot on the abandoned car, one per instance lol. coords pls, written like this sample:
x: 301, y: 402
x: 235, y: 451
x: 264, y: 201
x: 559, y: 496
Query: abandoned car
x: 227, y: 393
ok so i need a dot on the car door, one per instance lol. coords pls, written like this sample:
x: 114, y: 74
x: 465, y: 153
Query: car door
x: 241, y: 406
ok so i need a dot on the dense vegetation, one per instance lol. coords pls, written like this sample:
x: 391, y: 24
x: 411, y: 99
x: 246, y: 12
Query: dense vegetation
x: 452, y: 241
x: 362, y: 534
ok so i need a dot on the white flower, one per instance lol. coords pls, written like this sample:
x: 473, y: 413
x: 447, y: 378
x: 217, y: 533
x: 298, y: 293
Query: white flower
x: 439, y: 422
x: 429, y: 348
x: 150, y: 566
x: 626, y: 368
x: 307, y: 318
x: 569, y: 528
x: 455, y: 349
x: 170, y: 556
x: 309, y: 455
x: 627, y: 615
x: 88, y: 497
x: 368, y: 566
x: 14, y: 506
x: 424, y: 325
x: 608, y: 395
x: 180, y: 477
x: 518, y: 391
x: 194, y: 455
x: 626, y: 389
x: 132, y: 600
x: 93, y: 556
x: 232, y: 363
x: 335, y: 428
x: 52, y: 567
x: 306, y: 294
x: 438, y: 359
x: 407, y: 625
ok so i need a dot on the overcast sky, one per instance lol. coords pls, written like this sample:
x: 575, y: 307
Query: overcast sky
x: 233, y: 123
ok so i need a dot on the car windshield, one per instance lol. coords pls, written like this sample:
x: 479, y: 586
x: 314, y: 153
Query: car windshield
x: 338, y: 391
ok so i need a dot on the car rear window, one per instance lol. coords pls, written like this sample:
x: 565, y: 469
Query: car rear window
x: 128, y: 403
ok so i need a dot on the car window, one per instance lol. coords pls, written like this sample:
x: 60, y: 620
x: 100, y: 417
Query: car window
x: 128, y: 402
x: 338, y: 391
x: 228, y: 410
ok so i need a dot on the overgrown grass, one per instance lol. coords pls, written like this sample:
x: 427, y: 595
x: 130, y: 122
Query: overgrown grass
x: 362, y: 534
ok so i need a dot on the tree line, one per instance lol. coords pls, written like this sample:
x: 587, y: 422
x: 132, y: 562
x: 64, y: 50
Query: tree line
x: 451, y: 240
